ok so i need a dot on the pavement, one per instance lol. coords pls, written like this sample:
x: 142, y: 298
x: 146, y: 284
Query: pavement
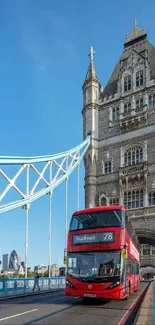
x: 29, y: 293
x: 145, y: 316
x: 57, y: 309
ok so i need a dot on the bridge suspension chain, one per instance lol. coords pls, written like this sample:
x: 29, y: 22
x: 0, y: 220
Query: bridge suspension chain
x: 64, y: 164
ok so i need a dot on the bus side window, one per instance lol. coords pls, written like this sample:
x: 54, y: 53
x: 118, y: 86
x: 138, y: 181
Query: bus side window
x: 136, y: 268
x: 129, y: 266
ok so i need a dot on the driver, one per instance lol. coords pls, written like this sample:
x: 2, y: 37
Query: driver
x: 85, y: 267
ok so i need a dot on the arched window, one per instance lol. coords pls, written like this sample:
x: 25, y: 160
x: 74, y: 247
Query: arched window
x: 152, y: 198
x: 133, y: 155
x: 115, y: 113
x: 139, y: 78
x: 127, y: 83
x: 103, y: 201
x: 108, y: 167
x: 151, y: 101
x: 127, y: 108
x: 133, y: 199
x: 139, y: 103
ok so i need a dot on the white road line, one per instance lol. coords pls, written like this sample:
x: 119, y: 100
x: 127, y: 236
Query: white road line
x: 17, y: 315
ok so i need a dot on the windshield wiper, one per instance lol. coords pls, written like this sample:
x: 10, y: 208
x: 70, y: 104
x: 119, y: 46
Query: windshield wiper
x: 117, y: 216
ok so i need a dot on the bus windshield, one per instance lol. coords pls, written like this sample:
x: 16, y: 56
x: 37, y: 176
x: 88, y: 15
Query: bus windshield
x: 97, y: 219
x: 94, y: 264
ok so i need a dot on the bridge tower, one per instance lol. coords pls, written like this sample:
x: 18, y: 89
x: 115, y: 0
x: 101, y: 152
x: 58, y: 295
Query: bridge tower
x: 91, y: 90
x: 120, y: 164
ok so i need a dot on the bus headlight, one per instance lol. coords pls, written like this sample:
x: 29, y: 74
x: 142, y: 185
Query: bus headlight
x: 113, y: 285
x: 69, y: 284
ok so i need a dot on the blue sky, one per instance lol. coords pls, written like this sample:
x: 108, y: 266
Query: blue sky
x: 43, y: 62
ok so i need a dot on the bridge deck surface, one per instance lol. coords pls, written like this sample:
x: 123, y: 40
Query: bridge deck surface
x: 146, y: 311
x: 57, y: 309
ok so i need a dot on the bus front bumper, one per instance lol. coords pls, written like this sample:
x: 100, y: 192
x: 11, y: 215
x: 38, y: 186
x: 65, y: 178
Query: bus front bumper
x: 115, y: 293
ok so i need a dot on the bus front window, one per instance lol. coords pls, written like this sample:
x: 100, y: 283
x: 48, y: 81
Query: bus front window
x: 94, y: 264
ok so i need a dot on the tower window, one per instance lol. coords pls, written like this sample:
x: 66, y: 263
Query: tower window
x: 152, y: 198
x: 114, y: 201
x: 151, y: 101
x: 115, y: 113
x: 146, y: 251
x: 139, y: 78
x: 108, y: 167
x: 133, y: 155
x: 127, y: 83
x: 127, y: 108
x: 133, y: 199
x: 139, y: 103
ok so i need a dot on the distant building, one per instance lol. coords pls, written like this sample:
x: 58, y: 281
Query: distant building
x: 11, y: 262
x: 6, y: 259
x: 40, y: 268
x: 21, y: 269
x: 14, y: 261
x: 55, y: 270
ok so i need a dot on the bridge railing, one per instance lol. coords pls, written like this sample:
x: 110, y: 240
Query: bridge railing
x: 13, y: 287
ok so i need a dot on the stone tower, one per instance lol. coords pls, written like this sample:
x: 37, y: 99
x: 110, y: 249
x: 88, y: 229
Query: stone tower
x: 120, y: 164
x: 91, y: 90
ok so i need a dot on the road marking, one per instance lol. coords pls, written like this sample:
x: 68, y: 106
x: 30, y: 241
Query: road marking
x: 17, y: 315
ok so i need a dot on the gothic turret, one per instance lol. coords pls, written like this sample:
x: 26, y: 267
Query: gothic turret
x: 91, y: 89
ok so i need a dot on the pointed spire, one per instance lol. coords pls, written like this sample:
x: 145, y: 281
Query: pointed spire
x: 91, y: 73
x: 135, y: 23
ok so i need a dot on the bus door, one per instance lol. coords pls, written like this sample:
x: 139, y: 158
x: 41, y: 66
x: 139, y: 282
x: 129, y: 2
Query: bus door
x: 125, y: 270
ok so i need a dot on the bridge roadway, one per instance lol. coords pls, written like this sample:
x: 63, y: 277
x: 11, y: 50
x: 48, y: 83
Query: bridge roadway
x: 57, y: 309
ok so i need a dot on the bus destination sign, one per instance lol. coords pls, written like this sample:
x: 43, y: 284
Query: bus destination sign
x: 97, y: 237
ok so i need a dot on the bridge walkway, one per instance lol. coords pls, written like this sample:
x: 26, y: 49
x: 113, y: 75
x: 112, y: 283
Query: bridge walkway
x: 145, y: 316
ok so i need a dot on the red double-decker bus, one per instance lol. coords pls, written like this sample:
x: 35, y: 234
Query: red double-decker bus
x: 102, y: 254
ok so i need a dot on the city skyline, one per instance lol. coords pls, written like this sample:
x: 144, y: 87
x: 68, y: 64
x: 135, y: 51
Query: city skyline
x: 44, y: 59
x: 12, y: 263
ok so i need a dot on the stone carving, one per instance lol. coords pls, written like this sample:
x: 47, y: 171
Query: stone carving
x: 113, y: 191
x: 135, y: 182
x: 135, y: 213
x: 107, y: 154
x: 103, y: 199
x: 130, y: 170
x: 152, y: 210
